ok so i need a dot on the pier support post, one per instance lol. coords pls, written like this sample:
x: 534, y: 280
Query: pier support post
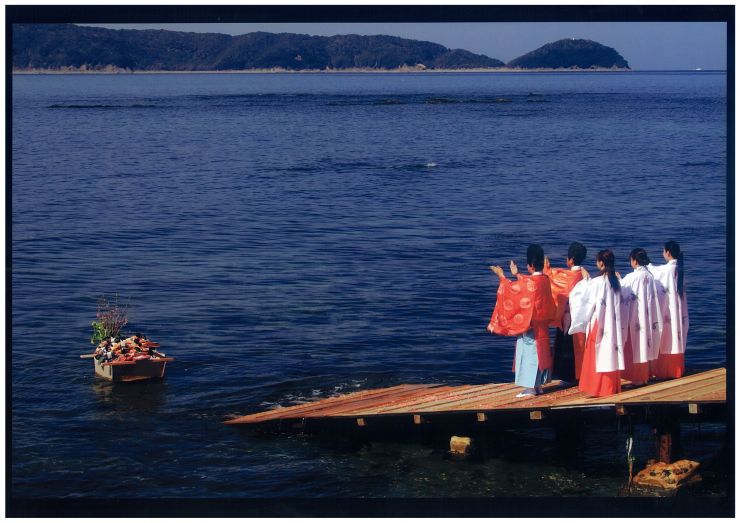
x: 667, y: 437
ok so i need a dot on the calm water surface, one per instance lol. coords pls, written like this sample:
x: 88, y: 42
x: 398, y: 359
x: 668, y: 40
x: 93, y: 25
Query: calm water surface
x: 288, y: 237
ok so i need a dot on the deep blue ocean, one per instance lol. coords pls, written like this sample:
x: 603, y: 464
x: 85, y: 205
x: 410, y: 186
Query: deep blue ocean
x: 287, y: 237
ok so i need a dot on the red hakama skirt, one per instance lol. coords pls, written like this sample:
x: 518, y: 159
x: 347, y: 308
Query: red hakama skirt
x: 668, y: 366
x: 596, y: 383
x: 579, y: 347
x: 637, y: 373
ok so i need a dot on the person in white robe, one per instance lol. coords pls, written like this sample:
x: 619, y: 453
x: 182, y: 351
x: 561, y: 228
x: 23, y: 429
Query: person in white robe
x: 642, y: 320
x: 595, y: 309
x: 675, y: 312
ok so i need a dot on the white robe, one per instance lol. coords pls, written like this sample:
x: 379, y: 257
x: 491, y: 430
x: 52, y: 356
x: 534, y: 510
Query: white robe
x: 595, y: 300
x: 642, y: 319
x: 673, y: 307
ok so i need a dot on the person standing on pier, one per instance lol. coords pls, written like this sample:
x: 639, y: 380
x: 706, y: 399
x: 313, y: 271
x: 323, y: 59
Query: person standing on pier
x: 568, y: 350
x: 672, y: 293
x: 642, y: 319
x: 595, y: 310
x: 525, y: 308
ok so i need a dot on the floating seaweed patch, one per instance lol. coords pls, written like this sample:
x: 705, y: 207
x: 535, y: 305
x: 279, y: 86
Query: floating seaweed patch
x: 100, y: 106
x: 707, y: 163
x: 390, y: 101
x: 439, y: 100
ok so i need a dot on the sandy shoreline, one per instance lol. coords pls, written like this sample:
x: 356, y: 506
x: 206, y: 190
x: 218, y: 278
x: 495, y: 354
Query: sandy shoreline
x: 316, y: 71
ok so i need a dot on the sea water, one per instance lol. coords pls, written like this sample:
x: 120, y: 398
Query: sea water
x: 287, y: 237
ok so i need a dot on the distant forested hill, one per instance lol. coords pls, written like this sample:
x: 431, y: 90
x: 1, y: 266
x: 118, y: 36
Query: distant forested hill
x: 567, y: 53
x: 61, y: 46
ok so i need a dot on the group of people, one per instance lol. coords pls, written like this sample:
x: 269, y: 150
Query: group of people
x: 608, y: 327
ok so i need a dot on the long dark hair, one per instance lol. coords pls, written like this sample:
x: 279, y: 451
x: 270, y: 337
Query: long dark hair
x: 606, y: 257
x: 640, y: 256
x: 675, y: 250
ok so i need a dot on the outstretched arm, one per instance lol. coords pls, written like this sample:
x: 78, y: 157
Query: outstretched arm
x: 498, y: 271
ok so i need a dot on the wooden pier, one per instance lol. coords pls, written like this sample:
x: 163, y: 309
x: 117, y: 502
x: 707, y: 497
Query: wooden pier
x: 420, y: 403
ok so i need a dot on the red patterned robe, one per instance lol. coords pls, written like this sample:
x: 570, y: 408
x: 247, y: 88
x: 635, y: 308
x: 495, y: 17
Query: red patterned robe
x: 525, y: 304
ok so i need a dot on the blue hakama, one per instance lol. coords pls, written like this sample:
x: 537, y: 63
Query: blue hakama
x: 527, y: 372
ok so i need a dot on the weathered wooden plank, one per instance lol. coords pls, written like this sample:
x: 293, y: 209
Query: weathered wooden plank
x: 419, y: 399
x: 714, y: 397
x: 506, y: 400
x: 676, y: 393
x: 423, y: 404
x: 336, y: 398
x: 558, y: 397
x: 314, y: 410
x: 680, y: 391
x: 360, y: 407
x: 465, y: 404
x: 404, y: 405
x: 430, y: 399
x: 298, y: 409
x: 492, y: 399
x: 543, y: 401
x: 626, y: 396
x: 718, y: 390
x: 671, y: 383
x: 675, y: 382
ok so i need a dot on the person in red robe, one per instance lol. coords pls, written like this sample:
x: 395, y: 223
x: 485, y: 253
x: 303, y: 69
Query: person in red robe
x: 525, y: 308
x: 568, y: 349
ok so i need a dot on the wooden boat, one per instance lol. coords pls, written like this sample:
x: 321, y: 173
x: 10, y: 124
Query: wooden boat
x: 135, y: 370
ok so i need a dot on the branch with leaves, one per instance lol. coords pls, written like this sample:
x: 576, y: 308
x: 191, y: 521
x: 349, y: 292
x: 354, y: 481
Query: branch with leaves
x: 111, y: 317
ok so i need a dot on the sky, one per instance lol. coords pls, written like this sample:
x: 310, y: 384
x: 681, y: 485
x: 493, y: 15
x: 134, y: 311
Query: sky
x: 645, y: 45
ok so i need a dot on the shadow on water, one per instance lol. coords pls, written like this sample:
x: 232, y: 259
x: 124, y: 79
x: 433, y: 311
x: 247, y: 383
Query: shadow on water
x: 139, y: 397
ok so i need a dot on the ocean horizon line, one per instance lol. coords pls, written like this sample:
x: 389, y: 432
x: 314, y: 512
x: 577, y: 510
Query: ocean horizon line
x: 410, y: 70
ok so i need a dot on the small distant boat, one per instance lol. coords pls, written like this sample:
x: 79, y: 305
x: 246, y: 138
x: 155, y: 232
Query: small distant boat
x: 697, y: 69
x: 135, y: 370
x: 148, y: 367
